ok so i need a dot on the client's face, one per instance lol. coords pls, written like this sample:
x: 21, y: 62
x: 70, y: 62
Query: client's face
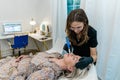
x: 71, y: 59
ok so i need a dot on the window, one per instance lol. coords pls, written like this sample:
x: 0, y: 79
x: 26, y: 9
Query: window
x: 72, y: 4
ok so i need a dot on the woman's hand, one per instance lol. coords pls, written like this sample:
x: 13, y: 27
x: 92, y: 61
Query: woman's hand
x: 21, y: 57
x: 84, y: 62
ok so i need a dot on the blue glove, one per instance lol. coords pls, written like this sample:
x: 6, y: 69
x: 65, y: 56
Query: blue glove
x: 84, y: 62
x: 67, y: 49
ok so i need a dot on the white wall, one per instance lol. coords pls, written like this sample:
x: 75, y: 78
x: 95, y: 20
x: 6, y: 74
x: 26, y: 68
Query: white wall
x: 23, y: 10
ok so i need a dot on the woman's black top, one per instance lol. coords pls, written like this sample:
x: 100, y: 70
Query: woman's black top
x: 84, y: 50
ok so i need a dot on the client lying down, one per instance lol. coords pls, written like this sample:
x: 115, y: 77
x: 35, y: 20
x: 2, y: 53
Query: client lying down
x: 42, y: 66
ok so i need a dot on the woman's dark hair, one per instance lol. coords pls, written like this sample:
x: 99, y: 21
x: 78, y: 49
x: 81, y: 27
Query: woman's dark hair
x: 77, y: 15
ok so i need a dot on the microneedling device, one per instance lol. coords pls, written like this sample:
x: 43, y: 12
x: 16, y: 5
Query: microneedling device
x: 68, y: 44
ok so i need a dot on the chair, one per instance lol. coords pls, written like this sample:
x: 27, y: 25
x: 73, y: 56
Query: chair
x: 20, y: 42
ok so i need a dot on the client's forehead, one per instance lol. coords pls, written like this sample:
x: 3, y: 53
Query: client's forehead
x: 74, y: 55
